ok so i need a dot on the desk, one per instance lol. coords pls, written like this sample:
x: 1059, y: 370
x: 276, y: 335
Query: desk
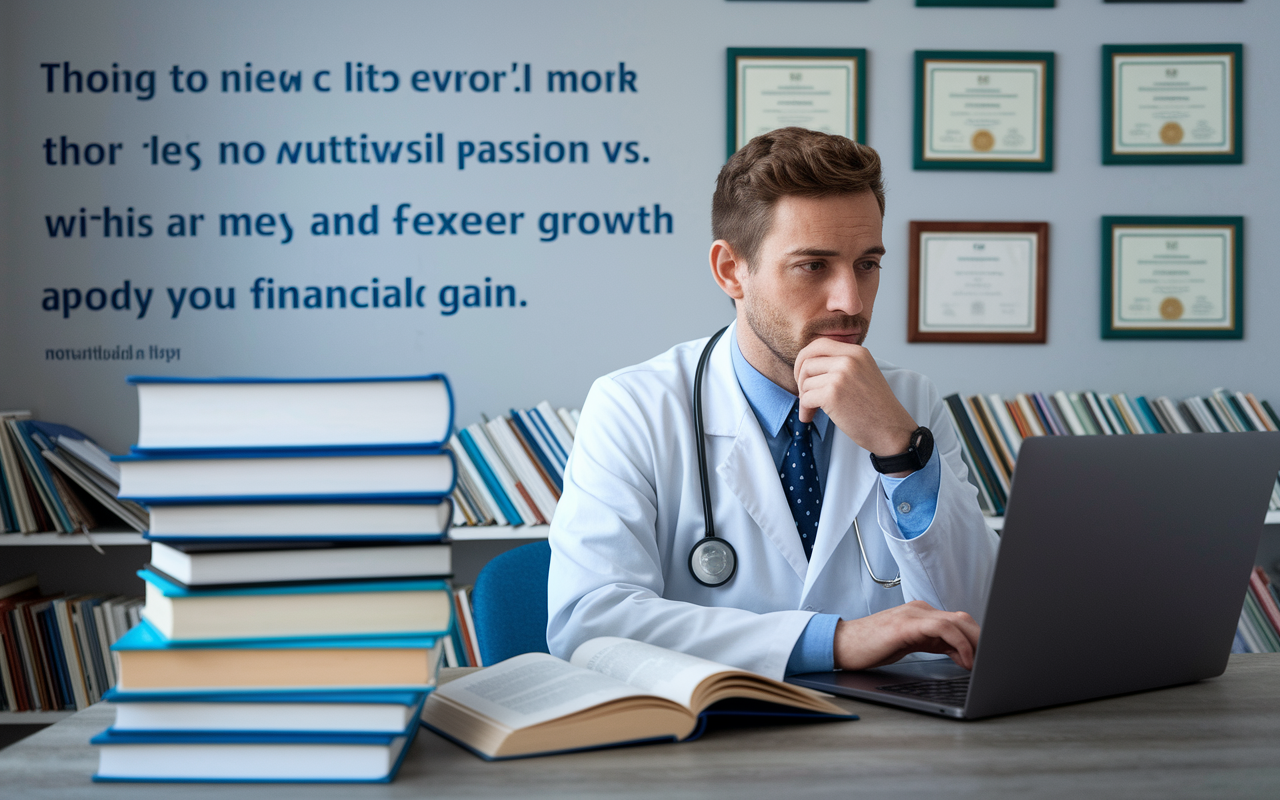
x: 1219, y: 737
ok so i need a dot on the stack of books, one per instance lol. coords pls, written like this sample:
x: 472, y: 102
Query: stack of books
x: 297, y: 600
x: 55, y: 650
x: 54, y: 478
x: 992, y: 429
x: 511, y: 469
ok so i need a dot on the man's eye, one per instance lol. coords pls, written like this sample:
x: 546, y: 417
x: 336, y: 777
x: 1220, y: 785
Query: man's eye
x: 869, y: 266
x: 812, y: 266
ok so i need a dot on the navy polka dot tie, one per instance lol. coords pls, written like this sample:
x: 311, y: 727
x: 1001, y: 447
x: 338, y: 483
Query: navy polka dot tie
x: 799, y: 475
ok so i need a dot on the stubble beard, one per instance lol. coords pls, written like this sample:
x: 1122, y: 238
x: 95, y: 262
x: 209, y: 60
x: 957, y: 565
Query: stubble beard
x: 770, y: 327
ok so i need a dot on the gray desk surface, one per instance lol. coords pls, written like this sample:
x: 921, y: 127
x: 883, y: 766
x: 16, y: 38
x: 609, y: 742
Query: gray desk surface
x: 1219, y: 737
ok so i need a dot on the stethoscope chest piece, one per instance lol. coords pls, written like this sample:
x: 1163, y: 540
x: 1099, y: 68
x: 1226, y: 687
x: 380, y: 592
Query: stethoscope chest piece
x: 712, y: 561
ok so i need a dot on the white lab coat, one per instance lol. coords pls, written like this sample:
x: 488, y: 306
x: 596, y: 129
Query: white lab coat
x: 632, y: 509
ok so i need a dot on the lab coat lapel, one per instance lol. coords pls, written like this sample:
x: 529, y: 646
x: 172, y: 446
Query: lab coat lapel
x: 747, y: 470
x: 850, y: 479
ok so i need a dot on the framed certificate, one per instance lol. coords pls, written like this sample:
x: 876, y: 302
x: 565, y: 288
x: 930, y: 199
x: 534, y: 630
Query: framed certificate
x: 978, y: 282
x: 984, y: 110
x: 821, y: 89
x: 1172, y: 104
x: 1173, y: 277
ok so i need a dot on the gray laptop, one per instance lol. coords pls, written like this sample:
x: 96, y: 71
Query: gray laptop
x: 1123, y: 566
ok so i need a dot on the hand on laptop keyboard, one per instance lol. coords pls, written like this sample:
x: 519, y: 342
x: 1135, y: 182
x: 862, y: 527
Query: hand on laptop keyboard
x: 887, y: 636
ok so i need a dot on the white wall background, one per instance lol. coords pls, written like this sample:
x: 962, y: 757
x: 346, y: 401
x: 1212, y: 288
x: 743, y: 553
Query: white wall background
x: 594, y: 303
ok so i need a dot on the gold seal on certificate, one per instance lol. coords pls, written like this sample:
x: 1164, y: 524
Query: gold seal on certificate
x: 1172, y: 104
x: 1173, y: 277
x: 978, y: 282
x: 977, y: 110
x: 820, y: 89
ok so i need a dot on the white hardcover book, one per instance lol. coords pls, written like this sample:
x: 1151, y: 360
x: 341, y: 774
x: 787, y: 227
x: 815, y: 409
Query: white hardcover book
x: 1030, y: 415
x: 1068, y: 413
x: 556, y: 425
x: 1258, y: 424
x: 219, y: 564
x: 236, y: 475
x: 1117, y: 425
x: 1225, y: 415
x: 303, y: 520
x: 104, y: 642
x: 519, y: 461
x: 481, y: 491
x: 229, y: 715
x: 108, y: 501
x: 1263, y: 417
x: 71, y: 654
x: 569, y: 419
x: 1132, y: 418
x: 1013, y: 437
x: 1200, y: 411
x: 252, y: 413
x: 501, y: 471
x: 542, y: 440
x: 1096, y: 407
x: 1175, y: 416
x: 92, y: 455
x: 281, y: 761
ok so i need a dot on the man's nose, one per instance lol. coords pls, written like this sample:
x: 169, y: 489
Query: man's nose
x: 842, y: 293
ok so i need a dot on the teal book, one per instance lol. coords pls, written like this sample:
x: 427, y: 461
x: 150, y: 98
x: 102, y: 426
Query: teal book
x: 313, y: 610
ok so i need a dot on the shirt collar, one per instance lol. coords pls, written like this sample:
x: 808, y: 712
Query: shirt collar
x: 771, y: 403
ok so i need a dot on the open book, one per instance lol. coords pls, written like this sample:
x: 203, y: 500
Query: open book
x: 613, y: 691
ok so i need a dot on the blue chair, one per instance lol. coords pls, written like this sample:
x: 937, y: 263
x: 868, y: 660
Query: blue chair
x: 509, y: 603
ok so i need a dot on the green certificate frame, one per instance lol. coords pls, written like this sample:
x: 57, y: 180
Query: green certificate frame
x: 1204, y: 85
x: 754, y: 100
x: 985, y: 3
x: 1172, y: 277
x: 971, y: 110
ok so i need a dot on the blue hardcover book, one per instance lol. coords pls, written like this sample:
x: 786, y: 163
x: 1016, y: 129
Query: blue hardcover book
x: 536, y: 447
x: 57, y: 657
x: 339, y: 610
x: 544, y: 428
x: 241, y: 476
x: 29, y: 453
x: 276, y: 413
x: 490, y: 480
x: 8, y: 519
x: 250, y: 757
x: 332, y: 712
x: 1148, y: 416
x: 535, y: 428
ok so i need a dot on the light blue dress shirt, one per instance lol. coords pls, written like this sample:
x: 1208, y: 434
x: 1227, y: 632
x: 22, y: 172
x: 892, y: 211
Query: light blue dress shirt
x: 914, y: 499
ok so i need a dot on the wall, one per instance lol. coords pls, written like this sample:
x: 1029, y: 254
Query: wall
x: 593, y: 303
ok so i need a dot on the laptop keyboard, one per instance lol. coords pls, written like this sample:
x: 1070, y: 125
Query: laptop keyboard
x: 948, y: 693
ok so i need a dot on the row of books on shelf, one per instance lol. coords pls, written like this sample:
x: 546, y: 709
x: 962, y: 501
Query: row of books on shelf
x: 1259, y: 627
x: 992, y: 428
x: 511, y: 469
x: 55, y: 649
x: 297, y: 600
x: 54, y: 478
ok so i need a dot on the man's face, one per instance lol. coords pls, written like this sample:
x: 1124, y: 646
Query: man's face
x: 815, y: 274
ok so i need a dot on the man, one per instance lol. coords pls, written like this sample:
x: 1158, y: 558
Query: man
x: 791, y: 399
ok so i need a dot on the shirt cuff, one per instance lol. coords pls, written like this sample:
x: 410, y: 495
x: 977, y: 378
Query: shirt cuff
x: 815, y: 650
x: 914, y: 499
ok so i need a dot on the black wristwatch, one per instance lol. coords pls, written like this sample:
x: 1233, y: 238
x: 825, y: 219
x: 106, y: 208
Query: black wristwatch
x: 917, y: 455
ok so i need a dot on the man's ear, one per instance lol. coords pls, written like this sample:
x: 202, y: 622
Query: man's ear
x: 727, y: 268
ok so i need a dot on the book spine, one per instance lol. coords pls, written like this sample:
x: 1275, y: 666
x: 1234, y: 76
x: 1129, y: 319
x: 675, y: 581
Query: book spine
x: 1271, y: 412
x: 1265, y: 637
x: 1000, y: 412
x: 491, y: 481
x: 31, y: 675
x: 570, y: 422
x: 512, y: 480
x: 975, y: 476
x: 1208, y: 419
x: 1067, y: 412
x: 1260, y: 413
x: 537, y: 452
x: 1258, y: 582
x: 72, y: 658
x: 563, y: 439
x: 16, y: 481
x: 1129, y: 414
x: 8, y: 695
x: 1037, y: 426
x: 1015, y: 414
x: 1148, y: 417
x: 1050, y: 412
x: 1095, y: 410
x: 970, y: 438
x: 546, y: 440
x: 8, y: 519
x: 38, y: 473
x: 502, y: 434
x: 1081, y: 409
x: 1004, y: 470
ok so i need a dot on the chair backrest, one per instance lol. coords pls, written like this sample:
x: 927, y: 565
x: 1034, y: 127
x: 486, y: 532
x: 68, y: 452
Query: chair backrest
x: 509, y: 603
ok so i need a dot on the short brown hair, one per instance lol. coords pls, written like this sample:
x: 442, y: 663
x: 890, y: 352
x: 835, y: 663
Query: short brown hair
x: 788, y: 161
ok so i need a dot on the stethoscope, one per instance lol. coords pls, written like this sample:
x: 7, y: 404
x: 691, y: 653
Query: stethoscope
x: 713, y: 561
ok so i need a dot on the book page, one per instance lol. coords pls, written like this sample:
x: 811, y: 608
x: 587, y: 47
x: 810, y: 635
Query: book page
x: 531, y: 689
x: 647, y: 668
